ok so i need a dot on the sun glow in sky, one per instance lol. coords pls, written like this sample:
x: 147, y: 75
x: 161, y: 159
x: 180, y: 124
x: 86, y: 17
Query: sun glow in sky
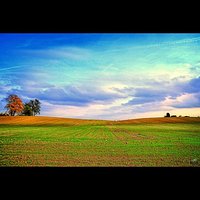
x: 103, y: 76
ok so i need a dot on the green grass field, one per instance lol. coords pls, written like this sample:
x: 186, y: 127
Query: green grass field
x: 100, y: 143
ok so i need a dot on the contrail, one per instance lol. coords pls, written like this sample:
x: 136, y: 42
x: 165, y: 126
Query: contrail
x: 8, y: 68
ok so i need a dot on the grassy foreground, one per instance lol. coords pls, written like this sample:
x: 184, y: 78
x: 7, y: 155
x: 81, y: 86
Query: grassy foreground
x: 45, y: 141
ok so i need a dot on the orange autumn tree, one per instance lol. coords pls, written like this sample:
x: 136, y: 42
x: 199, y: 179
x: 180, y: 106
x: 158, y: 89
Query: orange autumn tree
x: 14, y: 105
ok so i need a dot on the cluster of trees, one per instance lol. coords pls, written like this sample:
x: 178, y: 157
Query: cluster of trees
x: 15, y: 106
x: 168, y: 115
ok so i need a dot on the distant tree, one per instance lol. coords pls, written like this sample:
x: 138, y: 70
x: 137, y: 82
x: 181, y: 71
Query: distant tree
x: 167, y: 115
x: 27, y: 110
x: 34, y: 106
x: 173, y: 115
x: 14, y: 105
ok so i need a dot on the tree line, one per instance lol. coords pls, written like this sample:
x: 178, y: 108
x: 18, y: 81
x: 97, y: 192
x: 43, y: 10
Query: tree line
x: 15, y: 106
x: 168, y: 115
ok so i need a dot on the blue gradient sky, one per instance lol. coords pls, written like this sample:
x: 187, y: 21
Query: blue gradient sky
x: 103, y: 76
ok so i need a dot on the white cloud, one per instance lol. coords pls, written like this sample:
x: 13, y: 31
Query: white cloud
x: 183, y: 101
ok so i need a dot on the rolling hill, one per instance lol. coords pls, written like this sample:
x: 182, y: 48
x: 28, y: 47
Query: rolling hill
x: 40, y: 120
x: 43, y: 120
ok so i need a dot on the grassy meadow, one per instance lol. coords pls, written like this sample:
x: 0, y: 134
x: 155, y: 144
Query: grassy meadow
x: 46, y: 141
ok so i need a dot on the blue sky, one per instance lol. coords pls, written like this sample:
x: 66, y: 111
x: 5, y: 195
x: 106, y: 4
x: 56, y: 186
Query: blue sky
x: 103, y: 76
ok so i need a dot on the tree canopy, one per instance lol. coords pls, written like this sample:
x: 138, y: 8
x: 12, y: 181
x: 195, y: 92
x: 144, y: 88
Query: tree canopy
x: 14, y: 105
x: 32, y: 108
x: 27, y: 110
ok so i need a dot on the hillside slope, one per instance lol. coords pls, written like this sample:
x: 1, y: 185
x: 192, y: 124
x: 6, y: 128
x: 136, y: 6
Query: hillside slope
x: 40, y: 120
x: 160, y: 120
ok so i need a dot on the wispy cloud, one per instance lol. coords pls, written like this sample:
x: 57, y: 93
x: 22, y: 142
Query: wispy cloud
x: 73, y: 53
x: 153, y: 45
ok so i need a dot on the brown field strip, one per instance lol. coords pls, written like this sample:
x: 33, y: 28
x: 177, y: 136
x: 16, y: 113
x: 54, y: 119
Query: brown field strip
x: 160, y: 120
x: 41, y: 120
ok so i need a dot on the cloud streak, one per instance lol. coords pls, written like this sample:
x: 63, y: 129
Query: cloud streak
x: 72, y: 53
